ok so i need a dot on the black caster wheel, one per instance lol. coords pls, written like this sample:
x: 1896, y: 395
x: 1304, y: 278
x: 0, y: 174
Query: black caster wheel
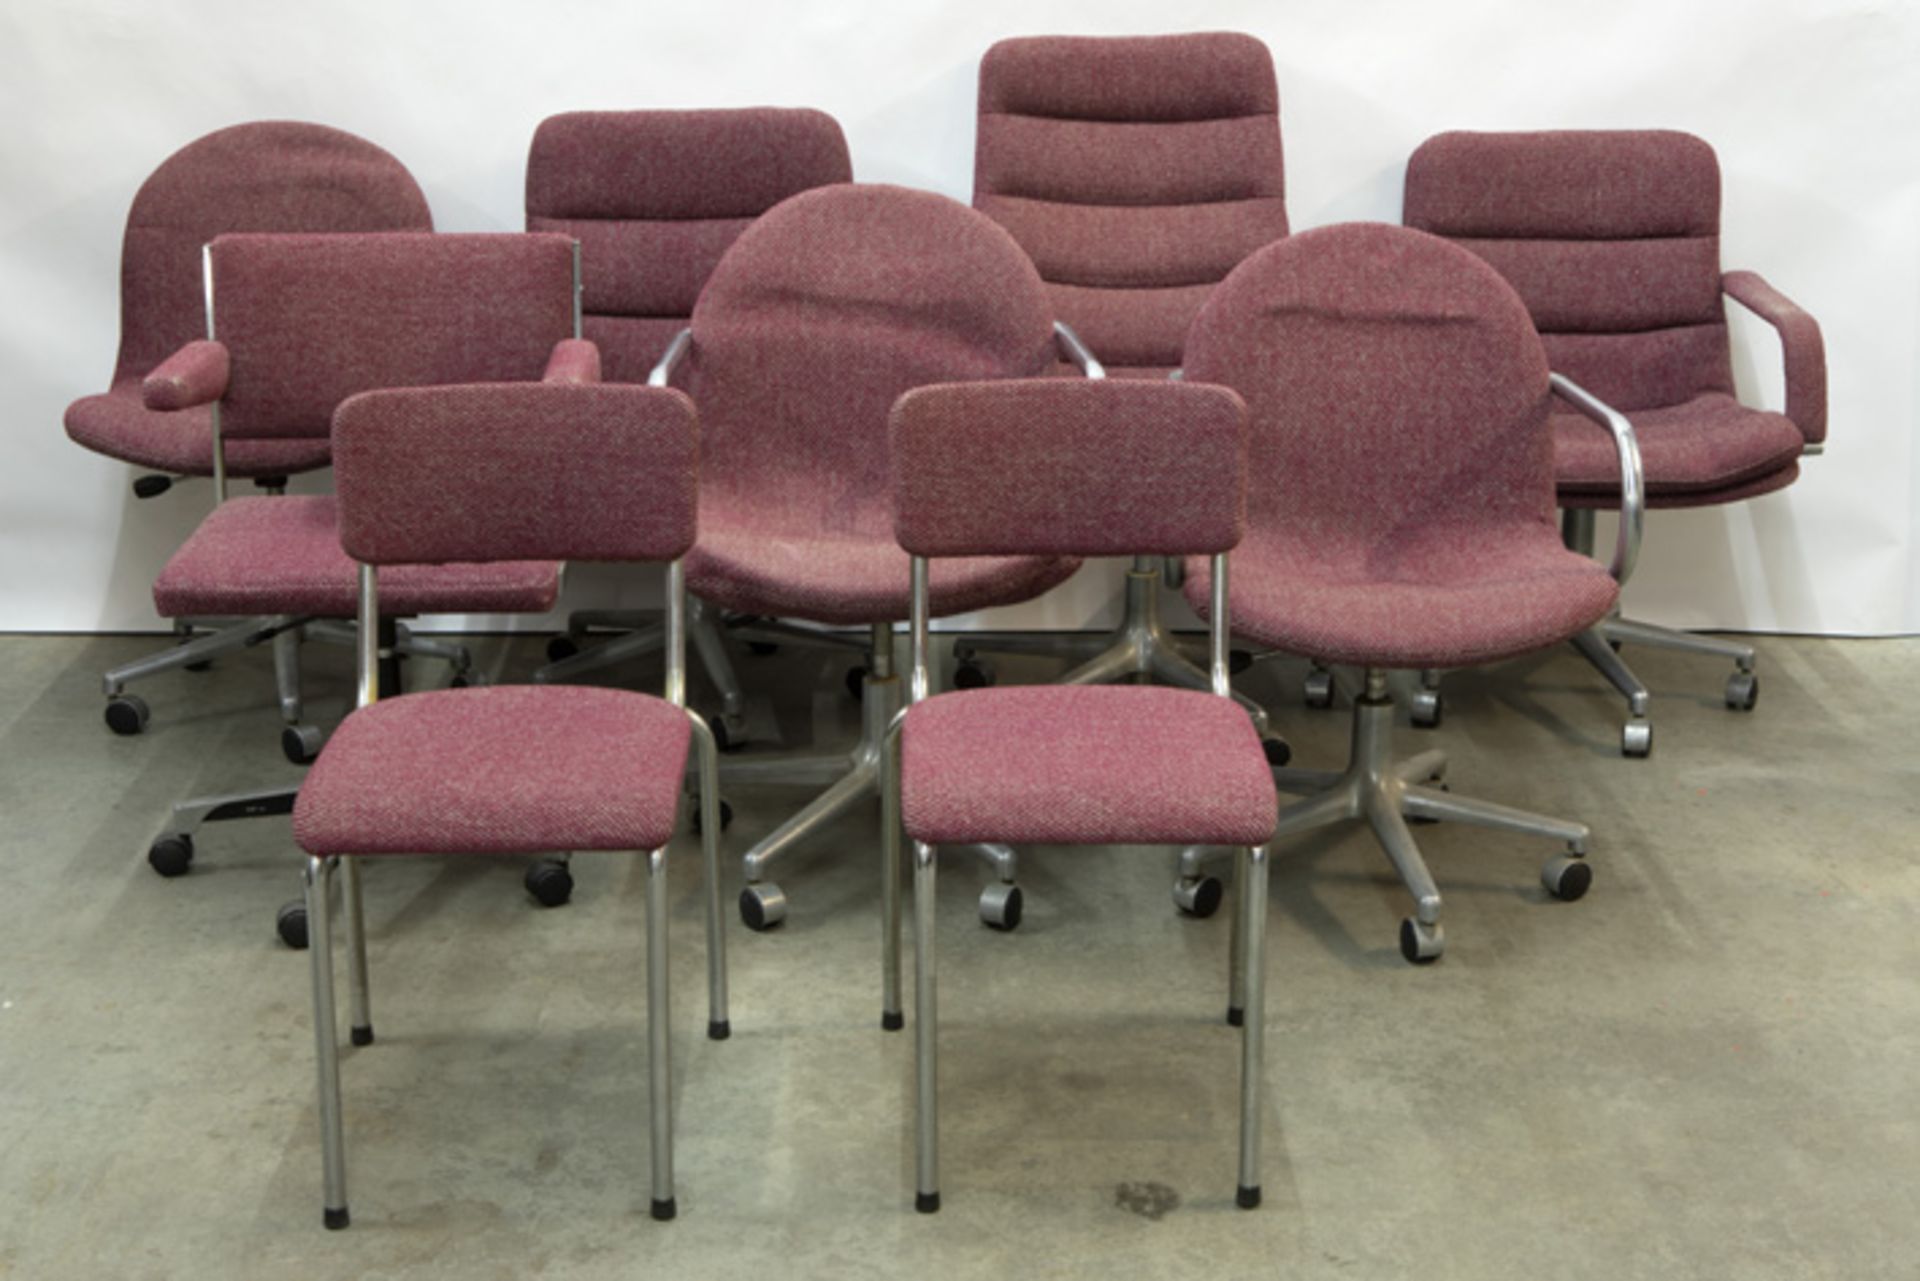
x: 550, y: 882
x: 1319, y: 689
x: 1278, y: 750
x: 562, y: 647
x: 974, y: 674
x: 1425, y: 709
x: 1636, y: 738
x: 1566, y: 878
x: 700, y: 824
x: 301, y: 743
x: 762, y: 906
x: 291, y: 924
x: 127, y: 714
x: 1421, y: 944
x: 728, y: 737
x: 857, y: 683
x: 762, y: 648
x: 1743, y: 691
x: 1000, y: 905
x: 1198, y: 895
x: 171, y: 855
x: 1238, y: 660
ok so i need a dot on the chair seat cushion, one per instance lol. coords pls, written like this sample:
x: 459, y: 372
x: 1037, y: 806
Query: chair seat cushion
x: 118, y: 425
x: 1433, y: 601
x: 512, y: 769
x: 283, y: 556
x: 1080, y: 765
x: 848, y: 579
x: 1710, y: 443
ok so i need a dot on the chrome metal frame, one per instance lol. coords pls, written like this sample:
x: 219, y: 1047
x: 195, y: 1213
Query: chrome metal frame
x: 319, y: 876
x: 1247, y: 968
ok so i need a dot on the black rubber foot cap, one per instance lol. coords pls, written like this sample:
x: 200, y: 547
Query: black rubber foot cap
x: 1247, y: 1198
x: 1236, y: 1017
x: 336, y: 1219
x: 719, y: 1029
x: 926, y: 1202
x: 892, y: 1021
x: 664, y: 1210
x: 362, y: 1036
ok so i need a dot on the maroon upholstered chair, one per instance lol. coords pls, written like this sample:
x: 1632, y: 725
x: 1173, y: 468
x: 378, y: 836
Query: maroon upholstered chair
x: 301, y: 323
x: 1136, y: 171
x: 821, y: 314
x: 655, y: 199
x: 1062, y: 468
x: 1613, y: 241
x: 1400, y: 510
x: 265, y: 176
x: 513, y: 769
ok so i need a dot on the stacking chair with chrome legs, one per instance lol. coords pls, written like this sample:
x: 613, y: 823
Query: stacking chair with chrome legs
x: 1400, y: 507
x: 510, y: 769
x: 1052, y: 467
x: 264, y: 176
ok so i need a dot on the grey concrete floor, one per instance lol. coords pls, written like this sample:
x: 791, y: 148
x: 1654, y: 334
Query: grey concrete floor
x: 1706, y: 1068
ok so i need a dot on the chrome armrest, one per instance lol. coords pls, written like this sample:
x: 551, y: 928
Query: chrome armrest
x: 1077, y: 351
x: 1633, y: 501
x: 662, y: 372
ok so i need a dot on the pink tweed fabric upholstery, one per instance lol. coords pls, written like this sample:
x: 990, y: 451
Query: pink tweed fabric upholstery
x: 195, y: 375
x: 1137, y: 171
x: 1400, y: 505
x: 822, y: 313
x: 310, y: 320
x: 1082, y: 765
x: 283, y: 556
x: 506, y: 770
x: 266, y: 176
x: 1613, y: 241
x: 503, y: 472
x: 656, y: 197
x: 573, y: 360
x: 1080, y: 468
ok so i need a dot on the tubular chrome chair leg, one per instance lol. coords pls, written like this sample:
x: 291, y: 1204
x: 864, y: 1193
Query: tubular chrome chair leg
x: 319, y: 889
x: 926, y: 1041
x: 360, y: 1028
x: 659, y: 1036
x: 1251, y: 971
x: 719, y: 1024
x: 891, y: 1017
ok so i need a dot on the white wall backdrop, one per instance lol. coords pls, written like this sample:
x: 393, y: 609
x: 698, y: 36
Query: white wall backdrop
x: 1812, y: 105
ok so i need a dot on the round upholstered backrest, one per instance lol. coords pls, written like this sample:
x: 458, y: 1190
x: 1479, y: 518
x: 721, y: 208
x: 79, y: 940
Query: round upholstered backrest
x: 1611, y: 236
x: 275, y: 176
x: 656, y: 197
x: 1137, y: 171
x: 1393, y: 381
x: 818, y: 318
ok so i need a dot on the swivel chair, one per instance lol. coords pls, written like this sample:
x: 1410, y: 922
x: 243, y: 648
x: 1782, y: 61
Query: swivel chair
x: 266, y: 176
x: 1613, y: 240
x: 1400, y: 509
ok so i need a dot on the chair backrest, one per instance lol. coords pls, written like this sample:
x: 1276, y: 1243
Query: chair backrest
x: 823, y: 312
x: 274, y: 175
x: 1063, y: 467
x: 310, y: 320
x: 1137, y: 171
x: 1394, y: 384
x: 656, y: 197
x: 1611, y: 237
x: 527, y: 471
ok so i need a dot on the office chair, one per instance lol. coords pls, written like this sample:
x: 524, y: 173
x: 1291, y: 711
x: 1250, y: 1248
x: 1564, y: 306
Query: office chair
x: 301, y: 322
x: 1400, y: 509
x: 278, y: 176
x: 824, y: 310
x: 1613, y: 240
x: 520, y: 474
x: 655, y: 198
x: 1051, y: 467
x: 1136, y: 171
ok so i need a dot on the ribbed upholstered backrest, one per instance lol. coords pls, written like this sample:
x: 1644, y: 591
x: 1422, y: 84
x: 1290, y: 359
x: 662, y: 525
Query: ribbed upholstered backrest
x: 1137, y: 171
x: 1069, y: 467
x: 1612, y: 238
x: 310, y: 320
x: 528, y: 471
x: 268, y: 176
x: 821, y: 315
x: 1395, y: 387
x: 656, y: 197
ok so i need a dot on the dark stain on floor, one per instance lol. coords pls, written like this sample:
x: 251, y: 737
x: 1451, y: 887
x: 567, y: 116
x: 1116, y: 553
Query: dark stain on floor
x: 1148, y: 1200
